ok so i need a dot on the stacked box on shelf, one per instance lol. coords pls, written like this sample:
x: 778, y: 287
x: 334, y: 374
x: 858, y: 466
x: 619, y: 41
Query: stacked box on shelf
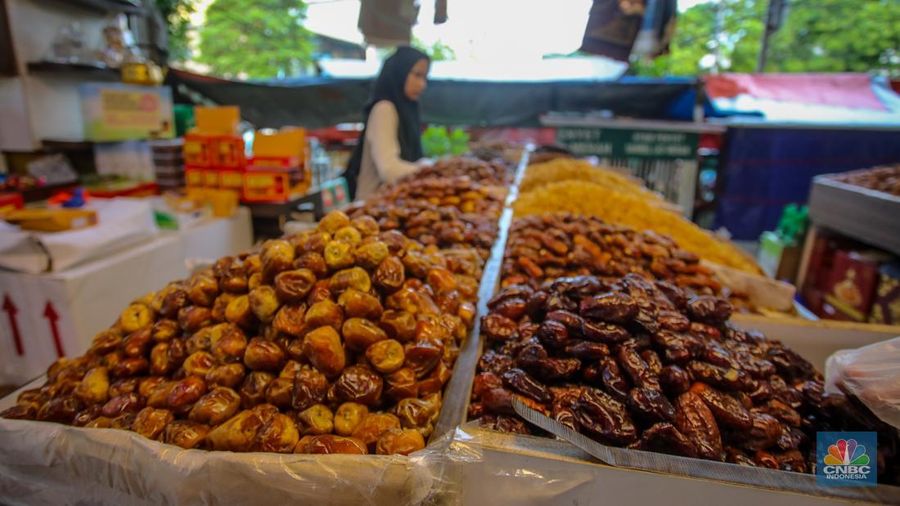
x: 278, y: 171
x: 168, y: 163
x: 214, y: 150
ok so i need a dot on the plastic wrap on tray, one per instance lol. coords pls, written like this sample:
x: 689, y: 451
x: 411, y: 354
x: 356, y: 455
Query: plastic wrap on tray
x: 870, y: 374
x: 48, y: 463
x: 512, y: 469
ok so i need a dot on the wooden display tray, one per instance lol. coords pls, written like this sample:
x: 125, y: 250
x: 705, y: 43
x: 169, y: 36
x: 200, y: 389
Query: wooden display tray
x: 867, y: 215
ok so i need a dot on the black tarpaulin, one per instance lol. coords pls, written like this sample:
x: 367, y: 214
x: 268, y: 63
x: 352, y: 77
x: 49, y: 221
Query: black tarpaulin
x: 322, y: 102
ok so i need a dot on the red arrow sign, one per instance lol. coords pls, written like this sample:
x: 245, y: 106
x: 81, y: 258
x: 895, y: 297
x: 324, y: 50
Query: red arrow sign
x: 11, y: 311
x: 52, y: 317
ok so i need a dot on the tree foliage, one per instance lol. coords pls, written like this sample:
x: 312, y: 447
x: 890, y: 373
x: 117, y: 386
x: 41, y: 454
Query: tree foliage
x: 437, y: 51
x: 256, y: 39
x: 816, y: 36
x: 177, y: 14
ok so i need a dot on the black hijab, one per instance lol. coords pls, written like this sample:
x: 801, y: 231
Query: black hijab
x: 389, y: 86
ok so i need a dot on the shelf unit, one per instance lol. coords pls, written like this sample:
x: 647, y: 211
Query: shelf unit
x: 870, y: 216
x: 91, y: 70
x: 105, y: 6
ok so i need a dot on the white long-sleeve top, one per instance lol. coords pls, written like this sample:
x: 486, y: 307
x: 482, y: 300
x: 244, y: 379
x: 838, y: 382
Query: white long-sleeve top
x: 381, y: 162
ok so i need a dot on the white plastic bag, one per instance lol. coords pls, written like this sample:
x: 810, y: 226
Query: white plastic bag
x: 871, y: 373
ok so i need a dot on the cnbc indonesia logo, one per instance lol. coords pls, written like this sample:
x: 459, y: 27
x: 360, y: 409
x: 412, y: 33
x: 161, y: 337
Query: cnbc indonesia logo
x: 846, y: 461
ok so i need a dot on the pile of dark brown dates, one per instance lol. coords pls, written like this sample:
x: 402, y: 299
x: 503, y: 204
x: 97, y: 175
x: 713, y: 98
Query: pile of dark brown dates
x: 643, y: 364
x: 550, y: 246
x: 336, y: 340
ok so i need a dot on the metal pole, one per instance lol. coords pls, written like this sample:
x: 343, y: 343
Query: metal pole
x: 774, y: 13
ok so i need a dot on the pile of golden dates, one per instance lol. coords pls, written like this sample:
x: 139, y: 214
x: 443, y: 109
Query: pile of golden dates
x: 338, y: 340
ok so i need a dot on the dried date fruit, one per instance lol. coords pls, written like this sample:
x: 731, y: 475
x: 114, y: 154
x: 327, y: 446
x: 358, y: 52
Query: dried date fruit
x: 727, y: 410
x: 94, y: 387
x: 236, y: 434
x: 401, y: 384
x: 709, y: 309
x: 278, y: 434
x: 230, y: 375
x: 253, y: 390
x: 519, y: 381
x: 186, y: 392
x: 423, y: 356
x: 263, y: 355
x: 637, y: 369
x: 151, y: 422
x: 310, y: 387
x: 293, y: 286
x: 322, y: 347
x: 324, y: 313
x: 498, y: 328
x: 277, y: 256
x: 355, y: 277
x: 605, y: 418
x: 390, y: 274
x: 727, y: 379
x: 386, y: 356
x: 607, y: 333
x: 399, y: 441
x: 330, y: 444
x: 264, y: 303
x: 399, y: 325
x: 360, y: 333
x: 696, y: 421
x: 373, y: 426
x: 359, y: 384
x: 359, y: 304
x: 280, y: 392
x: 650, y: 405
x: 348, y: 416
x: 125, y: 403
x: 316, y: 419
x: 217, y: 406
x: 665, y: 438
x: 612, y: 307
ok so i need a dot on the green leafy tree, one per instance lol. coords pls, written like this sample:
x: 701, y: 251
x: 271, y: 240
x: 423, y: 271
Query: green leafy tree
x: 437, y: 51
x: 816, y: 36
x: 177, y: 14
x: 256, y: 39
x: 838, y: 36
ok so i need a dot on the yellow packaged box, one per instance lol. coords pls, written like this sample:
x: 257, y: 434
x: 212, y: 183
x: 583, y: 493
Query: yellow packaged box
x: 52, y: 220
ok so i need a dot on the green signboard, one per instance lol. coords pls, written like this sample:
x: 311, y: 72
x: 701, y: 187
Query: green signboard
x: 628, y: 143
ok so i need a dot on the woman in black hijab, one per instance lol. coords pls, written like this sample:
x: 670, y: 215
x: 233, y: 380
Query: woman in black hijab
x: 390, y: 144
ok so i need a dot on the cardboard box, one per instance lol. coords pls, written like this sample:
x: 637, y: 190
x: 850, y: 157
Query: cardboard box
x: 45, y: 315
x: 53, y: 314
x: 852, y: 285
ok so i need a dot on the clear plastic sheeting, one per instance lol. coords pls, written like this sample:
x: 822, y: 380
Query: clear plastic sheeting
x: 872, y: 374
x: 507, y: 469
x: 48, y: 463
